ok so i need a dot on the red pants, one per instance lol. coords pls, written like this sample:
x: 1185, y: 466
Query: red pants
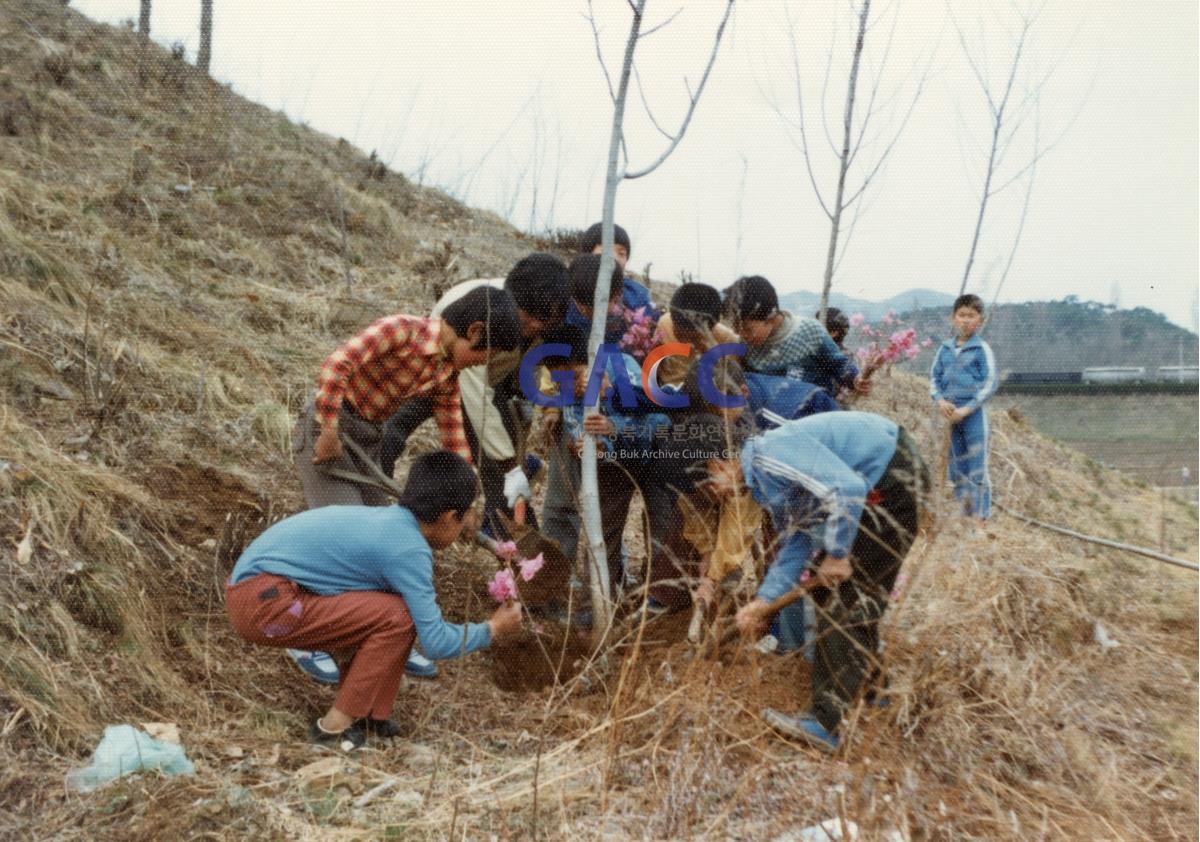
x: 273, y: 611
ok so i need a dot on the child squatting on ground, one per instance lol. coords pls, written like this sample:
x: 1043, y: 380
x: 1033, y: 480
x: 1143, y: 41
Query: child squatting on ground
x: 360, y: 578
x: 962, y: 378
x: 848, y: 485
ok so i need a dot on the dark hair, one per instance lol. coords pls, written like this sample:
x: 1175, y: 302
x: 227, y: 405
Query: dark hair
x: 538, y: 283
x: 696, y: 307
x: 727, y: 378
x: 583, y: 273
x: 835, y: 319
x: 590, y: 238
x: 495, y: 308
x: 751, y: 298
x: 441, y: 481
x: 567, y: 335
x: 969, y: 300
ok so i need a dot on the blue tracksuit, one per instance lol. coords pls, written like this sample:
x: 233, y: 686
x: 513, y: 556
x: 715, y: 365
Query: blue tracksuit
x: 776, y: 399
x: 965, y: 375
x: 813, y: 476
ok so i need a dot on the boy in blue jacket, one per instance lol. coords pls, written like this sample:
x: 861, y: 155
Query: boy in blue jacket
x: 361, y: 578
x: 625, y: 291
x: 962, y: 378
x: 844, y: 493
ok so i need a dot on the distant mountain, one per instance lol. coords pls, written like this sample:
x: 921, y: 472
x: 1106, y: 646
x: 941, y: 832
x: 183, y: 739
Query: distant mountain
x: 1068, y: 335
x: 806, y: 303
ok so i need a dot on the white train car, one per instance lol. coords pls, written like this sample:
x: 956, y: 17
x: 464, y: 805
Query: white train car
x: 1114, y: 374
x: 1179, y: 373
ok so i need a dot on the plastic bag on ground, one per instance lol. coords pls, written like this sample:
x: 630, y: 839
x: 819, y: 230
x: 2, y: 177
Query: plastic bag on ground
x: 125, y: 750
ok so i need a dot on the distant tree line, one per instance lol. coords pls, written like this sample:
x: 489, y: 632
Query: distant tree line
x: 1070, y: 334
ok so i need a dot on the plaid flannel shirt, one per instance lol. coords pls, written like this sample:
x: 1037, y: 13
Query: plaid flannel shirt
x: 803, y: 349
x: 396, y: 358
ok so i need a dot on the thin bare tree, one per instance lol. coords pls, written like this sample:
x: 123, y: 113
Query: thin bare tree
x: 855, y: 140
x: 1010, y: 107
x: 206, y: 21
x: 1030, y: 179
x: 618, y: 169
x: 143, y: 56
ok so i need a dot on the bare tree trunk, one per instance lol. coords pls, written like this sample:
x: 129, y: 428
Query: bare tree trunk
x: 206, y: 18
x: 589, y: 494
x: 998, y: 110
x: 143, y: 56
x: 844, y: 161
x: 983, y: 201
x: 1024, y: 214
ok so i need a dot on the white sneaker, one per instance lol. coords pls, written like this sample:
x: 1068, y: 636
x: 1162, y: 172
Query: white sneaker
x: 419, y: 666
x: 319, y: 666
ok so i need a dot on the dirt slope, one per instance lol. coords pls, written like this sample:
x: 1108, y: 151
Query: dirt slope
x: 174, y: 264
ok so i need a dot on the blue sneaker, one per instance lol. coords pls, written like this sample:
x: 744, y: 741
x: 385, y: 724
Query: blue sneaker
x: 419, y: 666
x: 319, y: 666
x: 803, y: 728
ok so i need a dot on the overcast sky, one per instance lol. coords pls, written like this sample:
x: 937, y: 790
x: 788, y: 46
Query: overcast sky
x: 485, y: 98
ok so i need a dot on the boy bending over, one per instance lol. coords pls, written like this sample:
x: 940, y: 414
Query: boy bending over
x: 848, y: 484
x: 365, y: 381
x: 361, y: 578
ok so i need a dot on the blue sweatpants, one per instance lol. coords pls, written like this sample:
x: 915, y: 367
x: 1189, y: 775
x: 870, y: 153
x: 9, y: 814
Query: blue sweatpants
x: 969, y: 464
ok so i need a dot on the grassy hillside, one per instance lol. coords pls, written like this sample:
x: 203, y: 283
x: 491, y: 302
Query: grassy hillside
x: 174, y: 264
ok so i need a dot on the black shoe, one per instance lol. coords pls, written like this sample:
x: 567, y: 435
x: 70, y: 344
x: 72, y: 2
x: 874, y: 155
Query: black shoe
x: 384, y: 728
x: 348, y: 740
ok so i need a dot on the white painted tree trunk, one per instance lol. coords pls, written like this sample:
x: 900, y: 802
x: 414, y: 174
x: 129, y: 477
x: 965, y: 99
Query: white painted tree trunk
x: 589, y: 494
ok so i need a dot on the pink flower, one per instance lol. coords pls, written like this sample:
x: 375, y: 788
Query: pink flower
x: 862, y: 354
x: 857, y: 319
x: 926, y: 342
x: 530, y: 566
x: 912, y: 353
x: 506, y: 550
x: 503, y: 587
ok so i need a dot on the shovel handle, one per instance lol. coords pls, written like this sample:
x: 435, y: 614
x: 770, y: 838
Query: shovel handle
x: 774, y: 607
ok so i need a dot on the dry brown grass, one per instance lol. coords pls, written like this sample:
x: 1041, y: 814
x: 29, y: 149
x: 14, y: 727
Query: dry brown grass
x: 154, y: 342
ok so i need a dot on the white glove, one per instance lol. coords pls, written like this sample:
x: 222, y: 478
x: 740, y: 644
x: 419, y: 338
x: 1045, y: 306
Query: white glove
x: 516, y: 486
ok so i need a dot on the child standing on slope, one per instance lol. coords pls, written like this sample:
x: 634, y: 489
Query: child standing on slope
x: 963, y: 377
